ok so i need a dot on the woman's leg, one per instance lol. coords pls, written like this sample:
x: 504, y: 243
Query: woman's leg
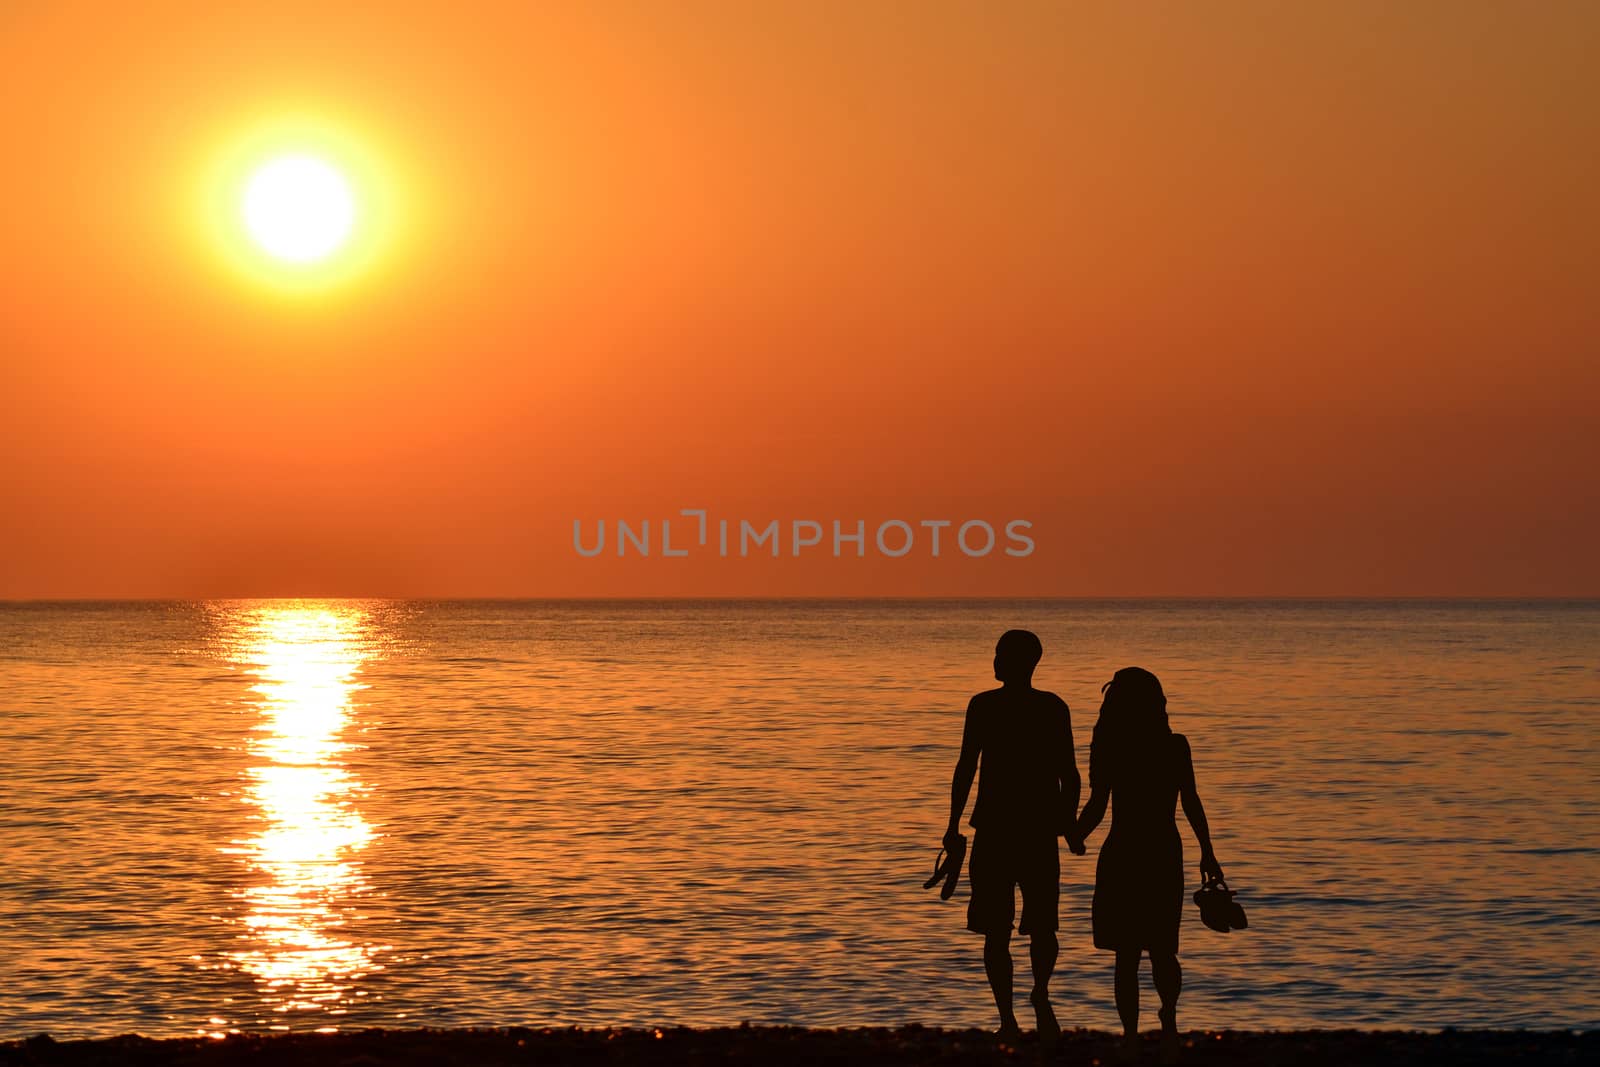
x: 1169, y: 983
x: 1126, y: 987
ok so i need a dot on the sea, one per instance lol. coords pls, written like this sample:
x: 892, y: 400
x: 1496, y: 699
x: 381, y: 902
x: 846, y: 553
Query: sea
x: 338, y: 814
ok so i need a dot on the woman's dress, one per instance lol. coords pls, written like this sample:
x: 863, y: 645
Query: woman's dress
x: 1138, y: 887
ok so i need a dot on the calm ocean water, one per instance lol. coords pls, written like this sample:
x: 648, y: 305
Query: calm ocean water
x: 311, y: 814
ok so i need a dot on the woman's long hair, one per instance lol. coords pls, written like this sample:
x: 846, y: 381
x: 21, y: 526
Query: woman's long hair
x: 1132, y: 731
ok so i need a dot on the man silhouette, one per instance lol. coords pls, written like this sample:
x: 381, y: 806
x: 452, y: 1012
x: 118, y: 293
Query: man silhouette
x: 1027, y: 796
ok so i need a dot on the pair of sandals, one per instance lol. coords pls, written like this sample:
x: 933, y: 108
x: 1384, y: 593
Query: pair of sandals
x: 1218, y: 909
x: 947, y: 865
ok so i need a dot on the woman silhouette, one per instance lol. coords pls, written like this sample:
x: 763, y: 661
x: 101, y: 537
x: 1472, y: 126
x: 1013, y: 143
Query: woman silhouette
x: 1139, y: 762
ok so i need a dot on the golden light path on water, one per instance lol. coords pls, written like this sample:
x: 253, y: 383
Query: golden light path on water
x: 304, y: 878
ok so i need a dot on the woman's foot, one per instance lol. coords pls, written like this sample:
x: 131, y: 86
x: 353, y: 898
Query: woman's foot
x: 1170, y: 1043
x: 1009, y: 1033
x: 1044, y: 1016
x: 1128, y: 1048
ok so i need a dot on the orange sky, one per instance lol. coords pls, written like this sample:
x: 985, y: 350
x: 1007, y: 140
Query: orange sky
x: 1295, y: 301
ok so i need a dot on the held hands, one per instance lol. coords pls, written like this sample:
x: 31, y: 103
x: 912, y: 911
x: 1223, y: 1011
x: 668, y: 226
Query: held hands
x: 1076, y: 846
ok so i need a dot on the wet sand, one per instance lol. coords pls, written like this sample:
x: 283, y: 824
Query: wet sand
x: 770, y: 1046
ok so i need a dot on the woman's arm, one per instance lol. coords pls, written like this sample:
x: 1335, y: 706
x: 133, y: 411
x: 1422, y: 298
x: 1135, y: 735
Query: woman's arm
x: 1093, y: 812
x: 1196, y: 812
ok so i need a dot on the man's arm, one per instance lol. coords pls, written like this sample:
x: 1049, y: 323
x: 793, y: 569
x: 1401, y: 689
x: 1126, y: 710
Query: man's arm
x: 966, y: 770
x: 1071, y: 784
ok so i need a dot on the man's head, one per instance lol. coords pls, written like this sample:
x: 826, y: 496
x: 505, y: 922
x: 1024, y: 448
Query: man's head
x: 1016, y: 655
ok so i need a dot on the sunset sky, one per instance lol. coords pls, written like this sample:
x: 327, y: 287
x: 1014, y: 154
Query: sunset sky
x: 1249, y: 299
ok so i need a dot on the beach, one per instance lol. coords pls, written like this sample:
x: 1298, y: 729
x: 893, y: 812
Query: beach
x: 795, y: 1045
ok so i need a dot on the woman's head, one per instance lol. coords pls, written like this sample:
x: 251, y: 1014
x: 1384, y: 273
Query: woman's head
x: 1134, y: 695
x: 1133, y: 720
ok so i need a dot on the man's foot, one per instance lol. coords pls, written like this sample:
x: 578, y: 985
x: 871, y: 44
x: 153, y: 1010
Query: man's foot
x: 1009, y: 1033
x: 1128, y: 1048
x: 1044, y: 1016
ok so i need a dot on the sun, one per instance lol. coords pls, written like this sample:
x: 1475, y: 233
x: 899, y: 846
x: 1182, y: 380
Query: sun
x: 298, y: 208
x: 303, y: 204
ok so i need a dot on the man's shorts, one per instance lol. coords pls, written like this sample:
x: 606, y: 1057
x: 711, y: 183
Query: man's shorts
x: 1000, y: 863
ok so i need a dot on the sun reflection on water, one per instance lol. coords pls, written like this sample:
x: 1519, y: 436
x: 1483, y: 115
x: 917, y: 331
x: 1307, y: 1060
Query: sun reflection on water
x: 305, y: 881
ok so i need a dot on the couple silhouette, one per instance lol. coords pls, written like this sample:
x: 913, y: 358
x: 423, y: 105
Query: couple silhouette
x: 1028, y: 797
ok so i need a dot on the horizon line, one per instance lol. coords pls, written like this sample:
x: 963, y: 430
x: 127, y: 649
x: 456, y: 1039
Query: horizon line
x: 715, y: 598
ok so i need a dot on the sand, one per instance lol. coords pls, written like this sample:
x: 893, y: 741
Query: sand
x: 773, y: 1046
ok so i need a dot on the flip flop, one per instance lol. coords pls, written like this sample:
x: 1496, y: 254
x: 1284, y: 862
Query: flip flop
x: 947, y: 865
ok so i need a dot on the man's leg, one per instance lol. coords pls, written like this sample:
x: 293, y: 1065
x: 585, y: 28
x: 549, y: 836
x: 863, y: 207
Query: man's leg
x: 1041, y: 901
x: 997, y: 964
x: 1043, y: 953
x: 989, y: 912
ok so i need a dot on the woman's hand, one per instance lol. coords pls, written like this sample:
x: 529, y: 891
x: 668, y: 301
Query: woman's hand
x: 1210, y: 869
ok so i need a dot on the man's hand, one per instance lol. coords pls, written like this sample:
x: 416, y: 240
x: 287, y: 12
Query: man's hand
x: 952, y: 839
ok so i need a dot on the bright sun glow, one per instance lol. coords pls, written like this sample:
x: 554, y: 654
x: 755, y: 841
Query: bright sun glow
x: 298, y: 208
x: 304, y: 206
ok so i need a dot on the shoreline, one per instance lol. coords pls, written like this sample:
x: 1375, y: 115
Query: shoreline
x: 776, y: 1045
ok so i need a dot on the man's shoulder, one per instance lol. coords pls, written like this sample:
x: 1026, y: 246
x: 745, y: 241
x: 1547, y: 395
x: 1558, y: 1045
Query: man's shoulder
x: 1017, y: 699
x: 984, y: 699
x: 1048, y: 704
